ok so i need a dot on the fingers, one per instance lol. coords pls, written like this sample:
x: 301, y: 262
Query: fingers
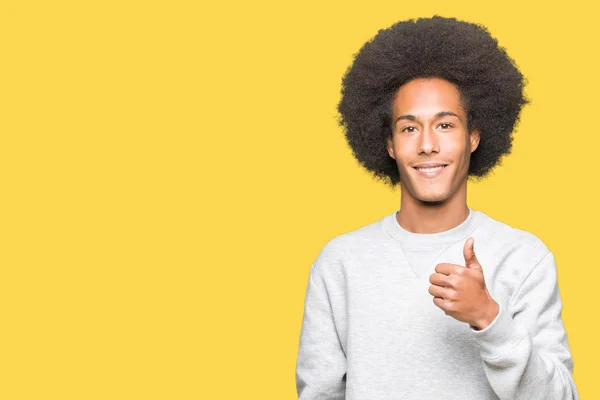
x: 447, y: 269
x: 441, y: 303
x: 438, y: 291
x: 440, y: 280
x: 469, y: 254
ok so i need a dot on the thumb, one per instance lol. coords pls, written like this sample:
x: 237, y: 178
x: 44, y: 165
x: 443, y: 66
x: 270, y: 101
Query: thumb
x: 469, y: 253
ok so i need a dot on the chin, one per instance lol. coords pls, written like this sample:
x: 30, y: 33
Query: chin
x: 432, y: 198
x: 427, y: 192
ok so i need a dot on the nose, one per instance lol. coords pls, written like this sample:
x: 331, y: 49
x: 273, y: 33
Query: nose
x: 428, y: 141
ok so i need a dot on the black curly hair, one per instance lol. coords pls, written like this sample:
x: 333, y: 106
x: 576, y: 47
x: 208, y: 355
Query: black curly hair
x: 463, y: 53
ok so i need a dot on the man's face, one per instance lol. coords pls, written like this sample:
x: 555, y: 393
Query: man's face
x: 429, y: 126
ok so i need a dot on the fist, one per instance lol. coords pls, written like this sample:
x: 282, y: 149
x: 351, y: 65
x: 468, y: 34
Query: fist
x: 460, y: 291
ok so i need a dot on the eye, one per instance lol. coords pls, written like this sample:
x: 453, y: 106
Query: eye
x: 445, y: 125
x: 409, y: 128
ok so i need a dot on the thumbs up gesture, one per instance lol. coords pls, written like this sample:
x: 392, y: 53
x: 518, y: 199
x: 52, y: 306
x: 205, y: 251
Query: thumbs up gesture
x: 461, y: 291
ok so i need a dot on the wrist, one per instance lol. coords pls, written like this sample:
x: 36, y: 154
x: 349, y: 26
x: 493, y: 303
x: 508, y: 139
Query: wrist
x: 488, y: 317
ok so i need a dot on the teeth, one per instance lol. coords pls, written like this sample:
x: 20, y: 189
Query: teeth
x: 434, y: 169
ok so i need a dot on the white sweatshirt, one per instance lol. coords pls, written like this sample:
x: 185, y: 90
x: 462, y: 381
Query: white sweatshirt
x: 370, y: 329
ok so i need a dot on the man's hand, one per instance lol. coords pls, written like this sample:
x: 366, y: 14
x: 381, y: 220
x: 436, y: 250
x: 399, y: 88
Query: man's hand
x: 461, y: 292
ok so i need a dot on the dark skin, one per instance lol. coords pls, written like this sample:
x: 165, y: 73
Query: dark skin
x: 430, y: 126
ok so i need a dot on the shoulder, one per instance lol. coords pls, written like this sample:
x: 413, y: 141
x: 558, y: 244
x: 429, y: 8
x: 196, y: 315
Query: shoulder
x: 350, y: 245
x: 513, y: 241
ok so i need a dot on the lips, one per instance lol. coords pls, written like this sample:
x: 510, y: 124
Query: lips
x: 428, y: 164
x: 430, y: 170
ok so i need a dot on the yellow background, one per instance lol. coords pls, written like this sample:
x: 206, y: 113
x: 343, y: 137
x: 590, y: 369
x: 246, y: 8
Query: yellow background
x: 170, y: 170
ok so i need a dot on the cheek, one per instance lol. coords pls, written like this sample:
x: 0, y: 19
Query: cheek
x: 405, y: 151
x: 403, y: 157
x: 455, y: 148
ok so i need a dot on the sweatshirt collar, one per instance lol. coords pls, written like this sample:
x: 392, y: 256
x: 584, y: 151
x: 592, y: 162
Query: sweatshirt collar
x: 459, y: 232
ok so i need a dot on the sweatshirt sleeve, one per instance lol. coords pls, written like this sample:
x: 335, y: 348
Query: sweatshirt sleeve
x: 321, y: 362
x: 525, y: 351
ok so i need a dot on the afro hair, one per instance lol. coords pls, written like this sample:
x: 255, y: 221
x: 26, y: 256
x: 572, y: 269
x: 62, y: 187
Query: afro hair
x: 463, y: 53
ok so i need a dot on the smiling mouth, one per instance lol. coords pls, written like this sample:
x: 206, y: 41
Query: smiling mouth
x: 430, y: 172
x: 431, y: 169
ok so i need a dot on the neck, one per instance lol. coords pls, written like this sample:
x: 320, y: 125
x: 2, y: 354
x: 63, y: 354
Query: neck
x: 420, y: 217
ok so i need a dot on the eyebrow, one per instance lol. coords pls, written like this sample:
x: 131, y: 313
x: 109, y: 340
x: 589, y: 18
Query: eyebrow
x: 438, y: 115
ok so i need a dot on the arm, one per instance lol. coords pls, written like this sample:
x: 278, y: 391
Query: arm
x: 321, y: 363
x: 525, y: 350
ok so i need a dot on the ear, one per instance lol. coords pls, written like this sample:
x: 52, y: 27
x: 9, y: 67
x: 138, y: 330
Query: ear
x: 390, y: 147
x: 474, y: 138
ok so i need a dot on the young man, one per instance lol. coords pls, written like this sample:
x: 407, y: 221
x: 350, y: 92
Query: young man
x: 436, y: 300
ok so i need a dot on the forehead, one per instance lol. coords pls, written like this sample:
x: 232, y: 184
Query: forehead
x: 427, y: 96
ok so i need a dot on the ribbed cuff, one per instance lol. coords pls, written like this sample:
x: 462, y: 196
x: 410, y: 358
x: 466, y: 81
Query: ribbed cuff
x: 499, y: 337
